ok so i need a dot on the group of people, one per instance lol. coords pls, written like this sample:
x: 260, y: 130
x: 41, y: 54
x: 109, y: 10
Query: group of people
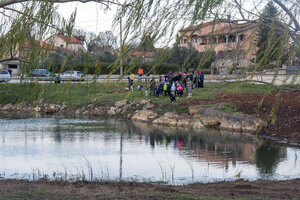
x: 172, y: 84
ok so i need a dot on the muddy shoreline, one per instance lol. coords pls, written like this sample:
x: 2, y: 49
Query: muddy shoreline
x: 260, y: 189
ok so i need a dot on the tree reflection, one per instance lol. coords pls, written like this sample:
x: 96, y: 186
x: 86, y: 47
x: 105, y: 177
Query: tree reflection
x: 267, y: 158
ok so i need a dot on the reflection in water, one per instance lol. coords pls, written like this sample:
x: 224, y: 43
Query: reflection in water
x: 122, y: 149
x: 121, y: 158
x: 267, y: 158
x: 220, y: 147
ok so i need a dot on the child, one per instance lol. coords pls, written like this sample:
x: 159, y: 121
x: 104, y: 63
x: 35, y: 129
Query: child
x: 131, y: 80
x: 161, y: 88
x: 173, y: 93
x: 141, y: 88
x: 169, y: 89
x: 180, y: 90
x: 130, y: 87
x: 165, y: 88
x: 157, y: 91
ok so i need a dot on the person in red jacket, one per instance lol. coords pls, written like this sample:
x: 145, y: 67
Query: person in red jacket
x: 140, y: 73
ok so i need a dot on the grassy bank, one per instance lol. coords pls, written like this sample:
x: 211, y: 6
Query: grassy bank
x: 80, y: 94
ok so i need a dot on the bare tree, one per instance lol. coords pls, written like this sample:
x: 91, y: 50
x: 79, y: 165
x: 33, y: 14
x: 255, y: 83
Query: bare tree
x: 104, y: 41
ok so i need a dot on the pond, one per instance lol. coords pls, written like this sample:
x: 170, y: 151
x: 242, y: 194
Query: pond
x: 115, y: 149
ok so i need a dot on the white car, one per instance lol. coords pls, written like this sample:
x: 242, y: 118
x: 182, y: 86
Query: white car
x: 4, y: 76
x: 72, y: 76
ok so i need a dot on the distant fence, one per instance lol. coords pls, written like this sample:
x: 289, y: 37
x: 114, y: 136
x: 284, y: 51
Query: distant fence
x: 292, y: 70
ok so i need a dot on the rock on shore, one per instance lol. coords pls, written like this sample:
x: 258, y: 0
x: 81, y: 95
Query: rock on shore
x: 200, y: 117
x: 212, y: 117
x: 50, y: 108
x: 144, y: 115
x: 173, y: 119
x: 141, y: 110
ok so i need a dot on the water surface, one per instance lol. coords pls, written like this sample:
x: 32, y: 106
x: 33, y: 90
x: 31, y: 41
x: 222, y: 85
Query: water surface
x: 112, y: 149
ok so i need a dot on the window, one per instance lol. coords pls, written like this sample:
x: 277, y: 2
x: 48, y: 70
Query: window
x: 195, y: 40
x: 184, y: 41
x: 13, y: 66
x: 223, y: 39
x: 241, y: 37
x: 232, y: 38
x: 62, y: 46
x: 215, y: 40
x: 4, y: 72
x: 199, y: 41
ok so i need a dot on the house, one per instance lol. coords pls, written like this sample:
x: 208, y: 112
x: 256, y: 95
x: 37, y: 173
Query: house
x: 145, y: 56
x: 69, y: 43
x: 12, y: 61
x: 12, y: 64
x: 224, y: 37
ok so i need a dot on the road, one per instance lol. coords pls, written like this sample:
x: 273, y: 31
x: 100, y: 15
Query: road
x: 279, y: 80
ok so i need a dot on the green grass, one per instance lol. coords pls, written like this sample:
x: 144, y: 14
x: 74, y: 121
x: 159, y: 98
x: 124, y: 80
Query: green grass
x: 240, y: 88
x: 228, y: 108
x: 164, y: 108
x: 80, y: 94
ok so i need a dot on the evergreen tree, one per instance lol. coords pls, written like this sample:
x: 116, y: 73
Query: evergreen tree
x: 272, y: 37
x: 146, y: 43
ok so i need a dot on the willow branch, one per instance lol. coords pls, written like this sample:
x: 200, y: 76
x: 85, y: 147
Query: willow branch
x: 4, y: 3
x: 37, y: 20
x: 289, y: 13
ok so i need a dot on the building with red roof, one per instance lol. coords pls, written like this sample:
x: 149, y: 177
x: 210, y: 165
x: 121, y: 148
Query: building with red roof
x: 68, y: 42
x: 143, y: 56
x: 221, y: 36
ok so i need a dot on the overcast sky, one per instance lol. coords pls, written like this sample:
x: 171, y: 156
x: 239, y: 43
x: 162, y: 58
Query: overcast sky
x: 90, y: 17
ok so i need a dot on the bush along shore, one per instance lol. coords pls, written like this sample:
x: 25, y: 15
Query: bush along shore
x: 143, y: 110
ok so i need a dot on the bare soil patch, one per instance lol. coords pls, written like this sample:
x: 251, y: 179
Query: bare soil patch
x: 287, y: 125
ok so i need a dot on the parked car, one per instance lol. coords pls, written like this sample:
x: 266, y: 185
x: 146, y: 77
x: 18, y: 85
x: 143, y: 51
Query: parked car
x: 72, y: 76
x: 44, y: 75
x: 41, y: 73
x: 4, y: 76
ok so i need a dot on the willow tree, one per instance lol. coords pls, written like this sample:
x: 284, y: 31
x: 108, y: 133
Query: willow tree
x: 34, y: 20
x: 26, y: 22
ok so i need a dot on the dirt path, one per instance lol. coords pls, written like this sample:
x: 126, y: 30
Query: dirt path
x: 14, y: 189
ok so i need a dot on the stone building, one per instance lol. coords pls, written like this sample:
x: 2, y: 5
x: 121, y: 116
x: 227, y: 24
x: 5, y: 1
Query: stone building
x: 228, y: 39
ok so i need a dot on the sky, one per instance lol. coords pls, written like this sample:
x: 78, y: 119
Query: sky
x: 90, y: 17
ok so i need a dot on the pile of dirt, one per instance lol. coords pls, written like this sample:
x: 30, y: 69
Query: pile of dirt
x: 287, y: 113
x: 16, y: 189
